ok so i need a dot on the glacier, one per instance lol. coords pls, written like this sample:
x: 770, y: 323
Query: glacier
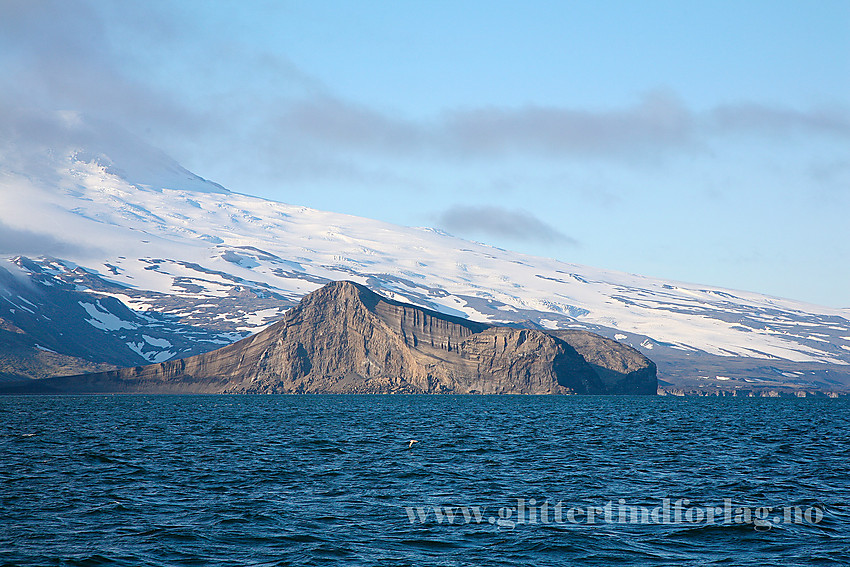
x: 198, y: 261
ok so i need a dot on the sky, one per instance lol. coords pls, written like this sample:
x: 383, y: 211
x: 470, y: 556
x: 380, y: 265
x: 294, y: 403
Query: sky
x: 699, y: 141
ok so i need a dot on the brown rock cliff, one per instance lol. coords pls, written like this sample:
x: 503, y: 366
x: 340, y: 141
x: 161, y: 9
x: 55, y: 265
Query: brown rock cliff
x: 344, y: 338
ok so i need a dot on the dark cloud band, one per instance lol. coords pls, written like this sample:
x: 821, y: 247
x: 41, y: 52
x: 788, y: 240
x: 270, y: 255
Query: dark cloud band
x: 500, y: 222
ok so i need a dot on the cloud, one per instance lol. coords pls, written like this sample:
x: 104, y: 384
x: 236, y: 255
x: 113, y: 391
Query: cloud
x: 57, y: 55
x: 14, y: 241
x: 500, y: 222
x: 657, y: 121
x: 255, y: 118
x: 31, y: 141
x: 657, y: 124
x: 770, y: 121
x: 340, y: 124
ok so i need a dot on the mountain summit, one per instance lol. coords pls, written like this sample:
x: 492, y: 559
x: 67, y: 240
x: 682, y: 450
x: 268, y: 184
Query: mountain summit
x: 344, y: 338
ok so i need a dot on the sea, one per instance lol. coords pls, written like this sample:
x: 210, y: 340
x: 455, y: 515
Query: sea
x: 490, y: 480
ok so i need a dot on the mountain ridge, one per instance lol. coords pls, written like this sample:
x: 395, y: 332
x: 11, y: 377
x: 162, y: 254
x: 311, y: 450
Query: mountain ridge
x: 344, y: 338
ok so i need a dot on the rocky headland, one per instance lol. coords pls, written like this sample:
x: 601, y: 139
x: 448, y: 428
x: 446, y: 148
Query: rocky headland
x: 344, y: 338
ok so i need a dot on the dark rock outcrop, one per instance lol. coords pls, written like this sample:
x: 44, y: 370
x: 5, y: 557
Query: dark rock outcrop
x: 622, y: 369
x: 22, y: 358
x: 343, y: 338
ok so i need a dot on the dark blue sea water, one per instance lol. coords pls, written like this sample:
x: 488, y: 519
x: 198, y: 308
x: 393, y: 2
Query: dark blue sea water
x: 329, y: 480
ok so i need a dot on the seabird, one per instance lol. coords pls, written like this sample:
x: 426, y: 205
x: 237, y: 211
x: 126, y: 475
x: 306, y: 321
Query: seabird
x: 410, y: 444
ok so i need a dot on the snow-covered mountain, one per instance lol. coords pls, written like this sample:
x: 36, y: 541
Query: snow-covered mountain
x: 114, y: 253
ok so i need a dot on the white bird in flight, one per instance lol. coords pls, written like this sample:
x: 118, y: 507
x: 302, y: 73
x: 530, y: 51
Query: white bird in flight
x: 410, y: 444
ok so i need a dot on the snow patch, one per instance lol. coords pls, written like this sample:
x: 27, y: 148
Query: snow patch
x: 102, y: 319
x: 262, y: 318
x: 157, y: 342
x: 153, y: 357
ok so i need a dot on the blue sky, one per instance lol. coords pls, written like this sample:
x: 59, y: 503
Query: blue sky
x: 699, y: 141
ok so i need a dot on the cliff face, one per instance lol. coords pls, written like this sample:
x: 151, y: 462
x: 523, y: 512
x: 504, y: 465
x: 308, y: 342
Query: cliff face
x: 622, y: 369
x: 343, y: 338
